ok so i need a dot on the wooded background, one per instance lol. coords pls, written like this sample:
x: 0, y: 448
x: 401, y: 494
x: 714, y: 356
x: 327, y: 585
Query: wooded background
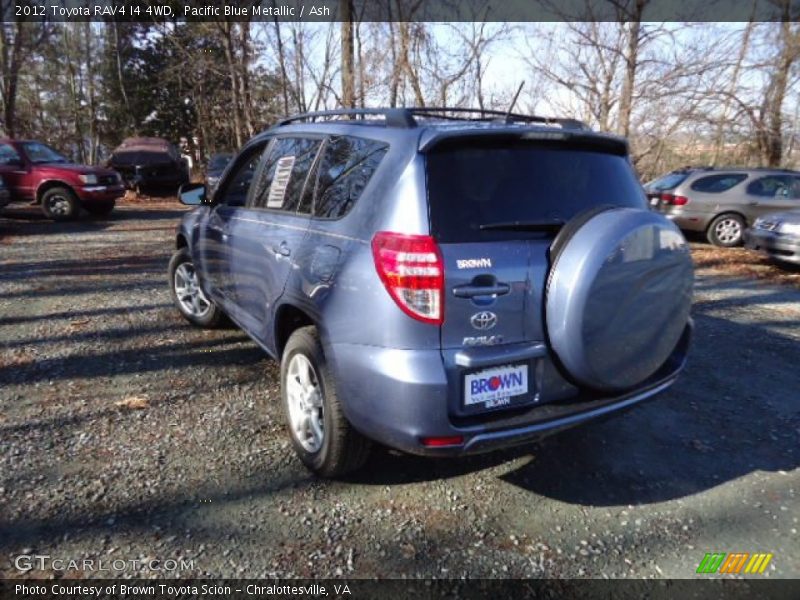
x: 685, y: 93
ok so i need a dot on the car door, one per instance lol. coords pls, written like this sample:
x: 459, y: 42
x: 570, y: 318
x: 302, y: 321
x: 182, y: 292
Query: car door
x: 15, y: 172
x: 269, y: 232
x: 214, y: 246
x: 772, y: 193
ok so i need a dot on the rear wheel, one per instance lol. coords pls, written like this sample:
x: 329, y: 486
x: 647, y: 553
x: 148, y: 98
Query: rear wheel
x: 321, y: 435
x: 726, y: 231
x: 59, y: 204
x: 187, y: 294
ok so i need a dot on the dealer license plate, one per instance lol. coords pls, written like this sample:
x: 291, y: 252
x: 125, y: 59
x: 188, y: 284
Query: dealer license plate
x: 496, y: 386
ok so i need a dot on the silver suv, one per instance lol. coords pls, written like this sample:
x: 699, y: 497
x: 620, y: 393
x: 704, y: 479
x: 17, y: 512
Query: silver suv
x: 439, y: 281
x: 723, y: 202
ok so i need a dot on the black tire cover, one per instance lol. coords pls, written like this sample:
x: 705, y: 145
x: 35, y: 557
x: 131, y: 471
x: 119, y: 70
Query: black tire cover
x: 618, y: 297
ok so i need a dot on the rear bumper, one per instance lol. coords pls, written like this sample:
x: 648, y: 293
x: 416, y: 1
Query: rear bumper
x: 778, y: 246
x: 398, y: 397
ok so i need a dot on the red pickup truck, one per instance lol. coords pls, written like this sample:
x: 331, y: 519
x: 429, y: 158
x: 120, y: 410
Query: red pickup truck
x: 35, y: 173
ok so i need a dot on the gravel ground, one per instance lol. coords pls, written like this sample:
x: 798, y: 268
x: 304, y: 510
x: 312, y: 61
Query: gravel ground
x: 128, y: 435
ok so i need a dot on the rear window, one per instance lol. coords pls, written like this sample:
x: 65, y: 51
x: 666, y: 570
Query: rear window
x: 715, y: 184
x: 666, y: 182
x: 521, y: 182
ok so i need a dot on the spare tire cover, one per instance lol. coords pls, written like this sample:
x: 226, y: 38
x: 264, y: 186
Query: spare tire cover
x: 618, y: 297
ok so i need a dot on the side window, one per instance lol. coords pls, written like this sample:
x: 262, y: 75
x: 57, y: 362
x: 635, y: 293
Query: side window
x: 715, y: 184
x: 282, y: 182
x: 233, y: 191
x: 772, y: 186
x: 344, y: 172
x: 8, y: 155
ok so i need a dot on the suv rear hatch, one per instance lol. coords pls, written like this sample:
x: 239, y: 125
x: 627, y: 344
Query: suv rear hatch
x: 496, y: 203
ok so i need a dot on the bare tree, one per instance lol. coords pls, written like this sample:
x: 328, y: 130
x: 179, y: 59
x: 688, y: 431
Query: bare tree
x: 18, y: 41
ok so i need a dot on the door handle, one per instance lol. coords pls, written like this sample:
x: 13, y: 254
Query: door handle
x: 282, y: 249
x: 470, y: 290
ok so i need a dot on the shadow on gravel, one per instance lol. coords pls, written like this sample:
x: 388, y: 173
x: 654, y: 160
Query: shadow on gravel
x: 169, y: 512
x: 733, y: 411
x: 206, y: 353
x: 119, y: 265
x: 82, y: 314
x: 20, y: 221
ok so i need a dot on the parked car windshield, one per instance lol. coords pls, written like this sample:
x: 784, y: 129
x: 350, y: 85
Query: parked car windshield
x: 666, y: 182
x: 39, y: 153
x: 480, y: 192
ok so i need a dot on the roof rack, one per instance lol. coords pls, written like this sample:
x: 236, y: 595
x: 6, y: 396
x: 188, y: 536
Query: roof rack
x: 405, y: 117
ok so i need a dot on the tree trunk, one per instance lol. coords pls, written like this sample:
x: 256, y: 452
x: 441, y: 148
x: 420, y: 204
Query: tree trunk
x: 790, y: 50
x: 120, y: 77
x: 282, y: 65
x: 719, y: 138
x: 348, y: 70
x: 631, y: 64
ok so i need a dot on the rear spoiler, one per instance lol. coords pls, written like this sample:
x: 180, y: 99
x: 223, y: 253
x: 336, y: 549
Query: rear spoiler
x: 434, y: 138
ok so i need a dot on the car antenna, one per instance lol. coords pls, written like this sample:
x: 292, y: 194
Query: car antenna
x: 514, y: 101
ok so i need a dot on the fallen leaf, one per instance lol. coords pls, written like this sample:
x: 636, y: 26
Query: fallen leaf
x: 133, y: 402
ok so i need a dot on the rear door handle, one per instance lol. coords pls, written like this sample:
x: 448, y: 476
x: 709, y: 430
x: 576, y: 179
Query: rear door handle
x: 470, y: 291
x: 282, y: 249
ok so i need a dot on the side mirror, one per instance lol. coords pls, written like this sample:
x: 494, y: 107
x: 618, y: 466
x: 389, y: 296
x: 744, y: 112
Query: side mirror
x: 192, y: 194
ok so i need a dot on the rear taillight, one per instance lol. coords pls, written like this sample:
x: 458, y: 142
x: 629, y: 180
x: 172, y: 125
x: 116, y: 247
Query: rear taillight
x: 674, y: 200
x: 411, y: 269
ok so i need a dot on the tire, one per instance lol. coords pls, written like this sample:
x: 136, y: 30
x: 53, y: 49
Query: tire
x: 341, y: 448
x: 726, y: 231
x: 187, y: 295
x: 60, y: 204
x: 100, y: 209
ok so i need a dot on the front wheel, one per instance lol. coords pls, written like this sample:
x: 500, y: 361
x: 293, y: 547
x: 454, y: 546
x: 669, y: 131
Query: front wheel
x: 59, y: 204
x: 187, y: 294
x: 321, y: 435
x: 726, y: 231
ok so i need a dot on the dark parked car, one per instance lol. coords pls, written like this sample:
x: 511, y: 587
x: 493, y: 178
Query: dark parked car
x: 34, y: 172
x: 440, y: 282
x: 216, y: 165
x: 150, y: 163
x: 5, y: 194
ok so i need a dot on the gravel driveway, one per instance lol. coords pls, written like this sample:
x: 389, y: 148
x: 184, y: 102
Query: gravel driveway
x: 128, y: 435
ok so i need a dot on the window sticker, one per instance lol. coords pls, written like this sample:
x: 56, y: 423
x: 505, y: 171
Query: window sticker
x: 277, y: 189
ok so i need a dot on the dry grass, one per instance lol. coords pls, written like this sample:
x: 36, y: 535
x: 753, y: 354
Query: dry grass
x: 740, y: 262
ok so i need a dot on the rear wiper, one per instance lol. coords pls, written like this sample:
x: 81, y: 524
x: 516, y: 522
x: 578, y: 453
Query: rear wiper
x: 550, y: 225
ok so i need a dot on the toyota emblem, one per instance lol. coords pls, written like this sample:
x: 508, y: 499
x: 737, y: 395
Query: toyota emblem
x: 483, y: 320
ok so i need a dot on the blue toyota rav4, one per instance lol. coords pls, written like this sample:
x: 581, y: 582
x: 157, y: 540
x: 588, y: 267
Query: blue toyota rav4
x: 440, y: 281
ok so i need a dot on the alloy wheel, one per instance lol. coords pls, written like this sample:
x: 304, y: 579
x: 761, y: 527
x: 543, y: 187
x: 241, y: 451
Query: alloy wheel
x: 728, y: 231
x: 305, y: 403
x: 187, y: 289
